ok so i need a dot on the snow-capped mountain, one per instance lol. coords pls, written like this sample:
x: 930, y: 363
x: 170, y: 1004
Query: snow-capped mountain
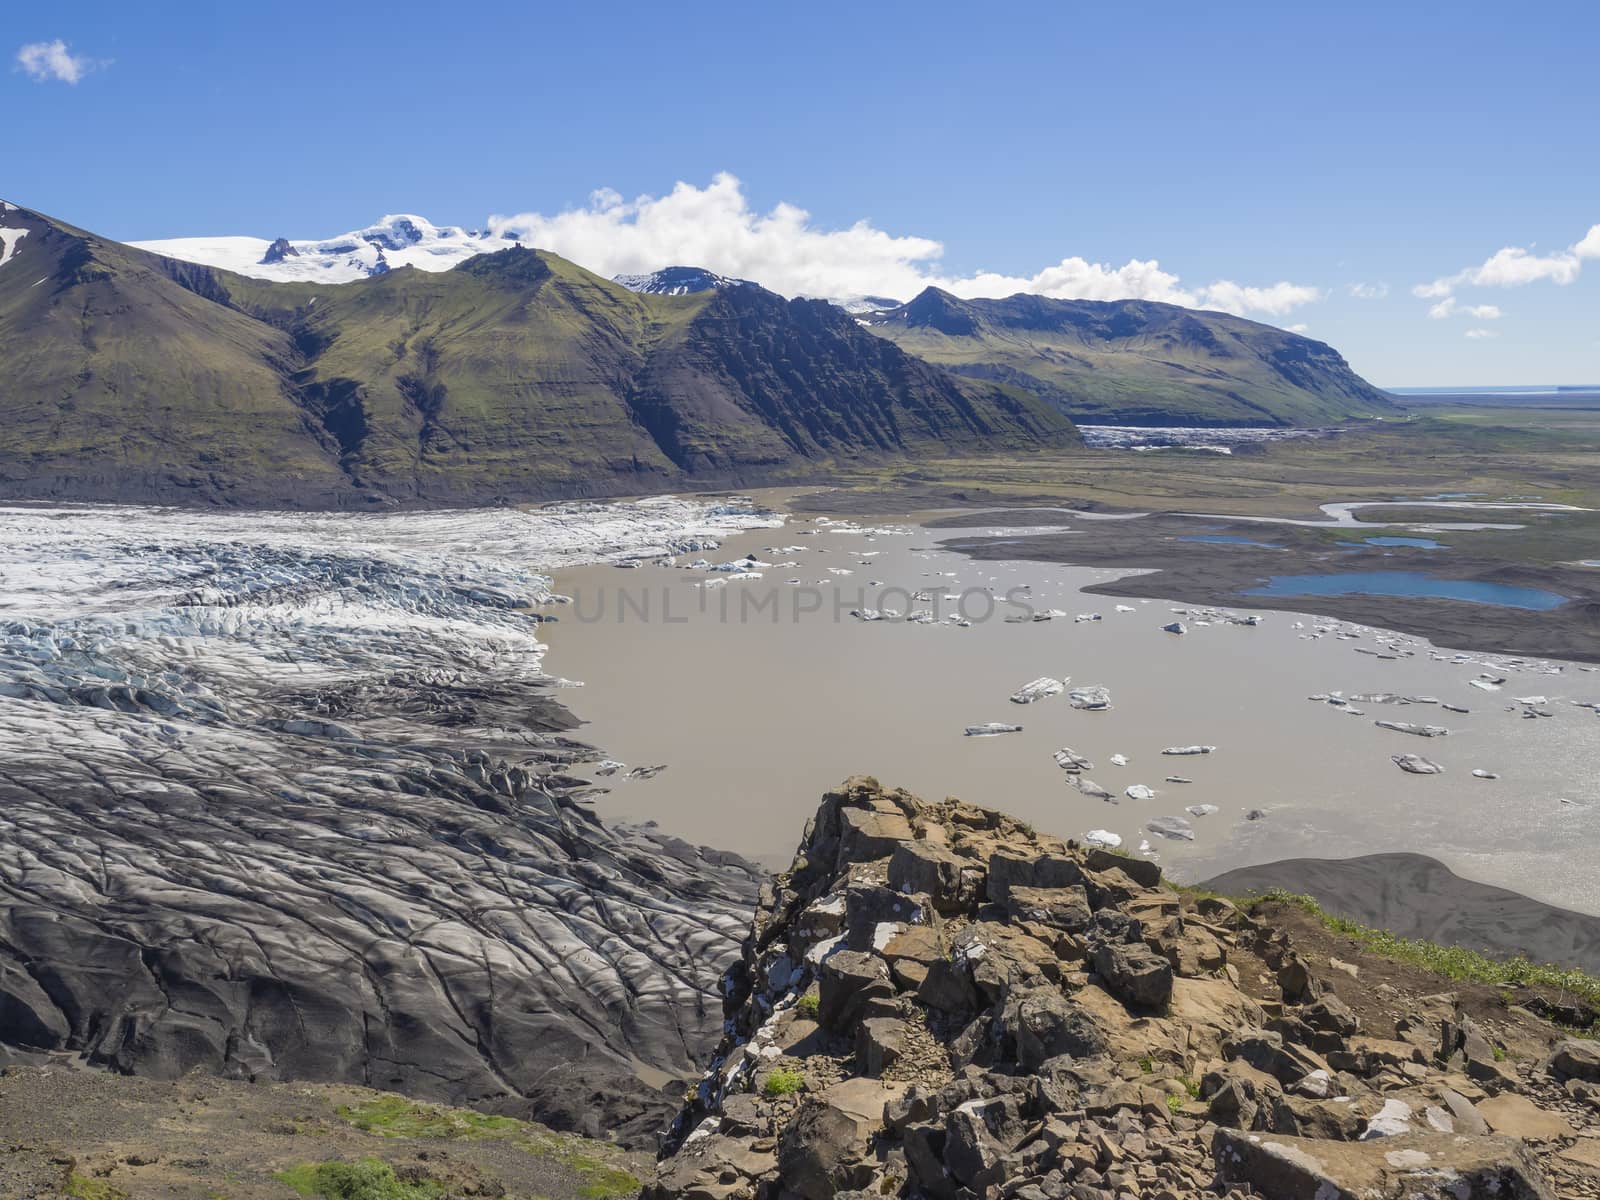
x: 406, y: 240
x: 401, y: 240
x: 857, y: 305
x: 677, y: 281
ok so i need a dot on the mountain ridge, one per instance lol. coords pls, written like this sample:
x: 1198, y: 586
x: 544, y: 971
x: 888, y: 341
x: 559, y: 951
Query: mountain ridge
x: 1174, y: 366
x: 517, y: 375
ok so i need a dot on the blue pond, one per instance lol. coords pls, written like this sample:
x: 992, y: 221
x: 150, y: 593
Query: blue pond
x: 1408, y: 583
x: 1419, y: 543
x: 1230, y: 541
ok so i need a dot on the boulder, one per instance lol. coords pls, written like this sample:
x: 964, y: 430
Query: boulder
x: 1019, y: 868
x: 1576, y: 1058
x: 1516, y: 1116
x: 1047, y: 1024
x: 821, y: 1153
x: 880, y: 1042
x: 918, y: 868
x: 1064, y: 908
x: 1141, y: 870
x: 1134, y: 973
x: 847, y: 981
x: 1416, y: 1165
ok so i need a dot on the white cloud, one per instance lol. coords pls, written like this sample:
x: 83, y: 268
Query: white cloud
x: 1302, y: 327
x: 1514, y: 266
x: 1368, y: 291
x: 1480, y: 333
x: 47, y: 61
x: 1449, y: 308
x: 715, y: 227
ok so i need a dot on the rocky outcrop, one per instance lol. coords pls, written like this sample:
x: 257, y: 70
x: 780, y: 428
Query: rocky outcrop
x: 936, y: 1002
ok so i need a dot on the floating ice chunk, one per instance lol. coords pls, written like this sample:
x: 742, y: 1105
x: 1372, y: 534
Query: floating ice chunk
x: 1091, y: 698
x: 1138, y: 791
x: 1480, y: 773
x: 1038, y: 689
x: 991, y: 728
x: 1126, y: 608
x: 1176, y: 828
x: 646, y: 772
x: 1069, y: 759
x: 1091, y: 789
x: 1103, y: 838
x: 1418, y: 730
x: 1174, y: 627
x: 1415, y: 764
x: 609, y: 766
x: 1202, y: 810
x: 1189, y: 750
x: 1179, y: 779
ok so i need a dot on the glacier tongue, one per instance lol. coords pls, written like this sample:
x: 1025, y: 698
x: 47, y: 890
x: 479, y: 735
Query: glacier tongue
x: 288, y: 795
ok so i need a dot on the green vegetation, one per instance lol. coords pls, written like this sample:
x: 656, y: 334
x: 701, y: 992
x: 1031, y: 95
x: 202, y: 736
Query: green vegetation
x: 395, y: 1116
x: 514, y: 375
x: 87, y: 1187
x: 785, y: 1081
x: 1453, y: 962
x: 808, y: 1005
x: 1136, y: 362
x: 368, y: 1179
x: 598, y: 1165
x: 1175, y: 1102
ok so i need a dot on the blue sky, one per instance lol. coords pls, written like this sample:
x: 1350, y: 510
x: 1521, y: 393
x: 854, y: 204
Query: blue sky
x: 1298, y: 153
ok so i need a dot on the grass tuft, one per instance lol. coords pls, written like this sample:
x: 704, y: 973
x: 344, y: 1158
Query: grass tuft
x: 785, y: 1081
x: 1453, y: 962
x: 88, y: 1187
x: 395, y: 1116
x: 368, y: 1179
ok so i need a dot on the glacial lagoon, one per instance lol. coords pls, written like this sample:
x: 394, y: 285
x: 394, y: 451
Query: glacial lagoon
x: 758, y: 690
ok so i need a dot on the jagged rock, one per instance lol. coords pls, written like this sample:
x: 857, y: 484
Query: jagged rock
x: 1268, y: 1052
x: 1052, y: 1016
x: 1417, y: 1165
x: 1135, y: 974
x: 1065, y: 908
x: 1008, y: 869
x: 948, y: 988
x: 821, y: 1153
x: 1046, y: 1024
x: 1141, y: 870
x: 712, y: 1168
x: 848, y: 980
x: 1576, y: 1058
x: 918, y: 867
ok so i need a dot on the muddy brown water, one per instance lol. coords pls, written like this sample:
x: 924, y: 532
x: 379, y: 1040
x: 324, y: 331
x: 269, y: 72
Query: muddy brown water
x: 759, y: 695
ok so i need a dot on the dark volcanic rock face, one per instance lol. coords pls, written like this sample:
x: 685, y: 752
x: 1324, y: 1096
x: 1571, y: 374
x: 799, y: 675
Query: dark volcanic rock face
x: 287, y: 812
